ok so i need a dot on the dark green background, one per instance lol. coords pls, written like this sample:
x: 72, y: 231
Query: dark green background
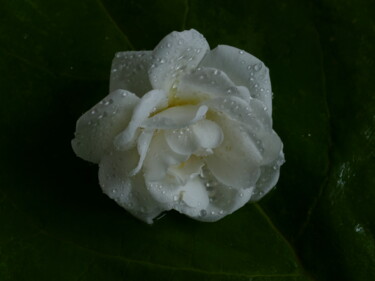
x: 318, y: 224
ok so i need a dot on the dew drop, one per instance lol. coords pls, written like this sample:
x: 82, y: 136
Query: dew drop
x: 175, y: 198
x: 221, y: 212
x: 169, y: 45
x: 203, y: 213
x: 93, y: 111
x: 179, y: 42
x: 241, y: 52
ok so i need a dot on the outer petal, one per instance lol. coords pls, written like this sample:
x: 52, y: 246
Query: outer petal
x: 268, y: 177
x: 204, y: 83
x: 129, y: 192
x: 149, y: 103
x: 244, y: 70
x: 96, y: 129
x: 130, y: 72
x: 178, y: 52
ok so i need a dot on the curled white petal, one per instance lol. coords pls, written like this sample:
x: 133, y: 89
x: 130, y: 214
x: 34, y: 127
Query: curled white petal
x: 149, y: 103
x: 143, y: 144
x: 237, y: 160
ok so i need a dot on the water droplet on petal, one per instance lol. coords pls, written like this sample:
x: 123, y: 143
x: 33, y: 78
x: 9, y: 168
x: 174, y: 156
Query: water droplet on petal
x: 203, y: 213
x: 241, y: 52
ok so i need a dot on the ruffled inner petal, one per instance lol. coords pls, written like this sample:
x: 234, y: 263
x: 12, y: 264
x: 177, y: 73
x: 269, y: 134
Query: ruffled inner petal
x: 187, y: 170
x: 199, y: 138
x: 244, y: 70
x: 130, y: 72
x: 177, y: 53
x: 96, y: 129
x: 176, y: 117
x: 151, y: 102
x: 159, y: 158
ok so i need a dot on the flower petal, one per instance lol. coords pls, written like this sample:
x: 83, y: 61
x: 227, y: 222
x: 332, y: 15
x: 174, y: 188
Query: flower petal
x: 149, y: 103
x: 236, y: 161
x: 204, y: 83
x: 159, y: 158
x: 269, y: 175
x: 194, y: 194
x: 200, y: 138
x: 130, y: 72
x: 178, y: 52
x: 223, y: 200
x: 144, y: 141
x: 129, y: 192
x: 96, y: 129
x: 244, y: 70
x: 176, y: 117
x: 187, y: 170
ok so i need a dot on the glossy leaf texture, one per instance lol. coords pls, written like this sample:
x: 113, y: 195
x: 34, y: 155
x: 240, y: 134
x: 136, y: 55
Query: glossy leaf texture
x: 318, y: 224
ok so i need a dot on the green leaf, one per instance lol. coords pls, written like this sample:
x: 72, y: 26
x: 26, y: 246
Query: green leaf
x: 319, y: 221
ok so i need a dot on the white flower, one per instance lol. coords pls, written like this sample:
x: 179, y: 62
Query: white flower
x: 184, y: 128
